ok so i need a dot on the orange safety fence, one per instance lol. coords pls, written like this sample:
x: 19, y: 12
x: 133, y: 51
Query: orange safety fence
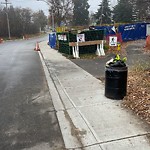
x: 148, y: 41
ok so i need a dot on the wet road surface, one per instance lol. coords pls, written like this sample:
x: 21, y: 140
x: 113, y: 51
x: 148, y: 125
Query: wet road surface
x: 27, y: 116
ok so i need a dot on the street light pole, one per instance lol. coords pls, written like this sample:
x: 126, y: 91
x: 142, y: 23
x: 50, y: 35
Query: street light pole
x: 8, y: 25
x: 53, y: 21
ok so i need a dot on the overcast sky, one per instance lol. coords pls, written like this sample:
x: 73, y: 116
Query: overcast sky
x: 35, y: 5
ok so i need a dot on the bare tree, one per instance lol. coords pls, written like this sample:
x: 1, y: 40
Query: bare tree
x: 22, y: 21
x: 39, y: 19
x: 62, y: 11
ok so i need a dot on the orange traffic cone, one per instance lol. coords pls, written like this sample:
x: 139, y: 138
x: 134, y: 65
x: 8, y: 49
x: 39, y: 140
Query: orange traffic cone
x: 1, y: 40
x: 37, y: 48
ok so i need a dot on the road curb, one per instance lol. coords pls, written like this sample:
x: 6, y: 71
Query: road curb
x: 57, y: 105
x: 72, y: 123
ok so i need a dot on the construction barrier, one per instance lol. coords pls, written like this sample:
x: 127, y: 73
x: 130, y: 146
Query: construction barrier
x: 129, y: 32
x: 61, y: 29
x: 64, y: 38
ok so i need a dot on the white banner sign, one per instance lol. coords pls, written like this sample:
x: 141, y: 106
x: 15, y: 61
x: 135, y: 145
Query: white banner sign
x: 148, y: 29
x: 112, y: 41
x: 80, y: 38
x: 62, y: 37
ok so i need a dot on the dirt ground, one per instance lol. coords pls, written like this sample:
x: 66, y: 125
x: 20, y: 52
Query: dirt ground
x: 138, y: 62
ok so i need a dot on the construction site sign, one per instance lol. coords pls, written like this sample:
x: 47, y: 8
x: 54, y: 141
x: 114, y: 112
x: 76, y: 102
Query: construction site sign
x: 113, y: 41
x: 80, y: 37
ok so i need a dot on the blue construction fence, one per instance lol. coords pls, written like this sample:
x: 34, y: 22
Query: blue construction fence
x: 128, y: 32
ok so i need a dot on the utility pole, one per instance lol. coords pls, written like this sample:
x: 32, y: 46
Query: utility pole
x: 8, y: 25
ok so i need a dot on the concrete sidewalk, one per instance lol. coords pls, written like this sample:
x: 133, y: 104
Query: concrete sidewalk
x: 88, y: 120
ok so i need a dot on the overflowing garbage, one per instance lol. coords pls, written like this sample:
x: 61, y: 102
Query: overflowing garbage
x: 116, y: 61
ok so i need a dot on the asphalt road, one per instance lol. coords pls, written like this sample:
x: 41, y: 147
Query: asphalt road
x: 27, y: 116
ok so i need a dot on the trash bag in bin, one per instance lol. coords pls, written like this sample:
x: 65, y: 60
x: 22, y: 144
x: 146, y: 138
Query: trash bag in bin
x: 116, y: 62
x: 116, y: 78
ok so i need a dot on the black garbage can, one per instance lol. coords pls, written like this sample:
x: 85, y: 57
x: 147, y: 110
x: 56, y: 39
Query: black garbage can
x: 116, y: 82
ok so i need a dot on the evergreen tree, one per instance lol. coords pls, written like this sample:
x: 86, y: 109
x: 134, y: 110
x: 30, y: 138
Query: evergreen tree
x: 80, y: 12
x: 123, y: 12
x: 22, y: 21
x: 104, y: 13
x: 142, y: 9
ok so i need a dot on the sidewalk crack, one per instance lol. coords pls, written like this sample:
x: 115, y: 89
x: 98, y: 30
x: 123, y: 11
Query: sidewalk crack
x: 134, y: 136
